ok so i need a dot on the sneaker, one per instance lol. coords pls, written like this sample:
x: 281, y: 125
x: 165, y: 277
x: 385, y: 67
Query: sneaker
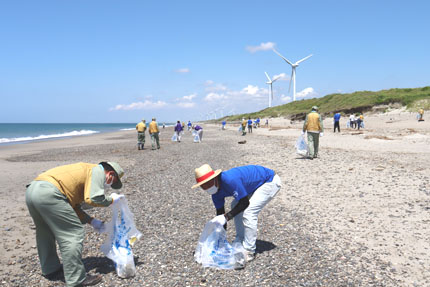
x: 91, y: 280
x: 250, y: 256
x: 56, y: 275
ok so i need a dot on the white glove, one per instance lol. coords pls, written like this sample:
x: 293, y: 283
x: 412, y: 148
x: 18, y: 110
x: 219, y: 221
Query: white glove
x: 220, y: 219
x: 303, y: 132
x: 98, y: 225
x: 321, y: 134
x: 116, y: 197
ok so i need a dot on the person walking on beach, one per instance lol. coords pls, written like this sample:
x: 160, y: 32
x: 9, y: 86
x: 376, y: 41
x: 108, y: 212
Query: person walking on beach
x: 267, y: 123
x: 314, y: 126
x: 199, y: 131
x: 189, y: 125
x: 352, y: 121
x: 223, y: 124
x: 54, y: 201
x: 252, y: 187
x: 244, y: 126
x: 421, y: 115
x: 249, y: 125
x: 336, y: 120
x: 154, y: 132
x: 178, y: 131
x: 141, y: 128
x: 359, y: 121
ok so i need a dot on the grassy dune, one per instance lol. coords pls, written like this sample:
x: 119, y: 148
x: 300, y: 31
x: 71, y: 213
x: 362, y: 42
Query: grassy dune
x: 357, y: 102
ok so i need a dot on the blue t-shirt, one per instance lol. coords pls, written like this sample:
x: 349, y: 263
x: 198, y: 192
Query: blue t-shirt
x: 240, y: 182
x: 249, y: 122
x: 337, y: 117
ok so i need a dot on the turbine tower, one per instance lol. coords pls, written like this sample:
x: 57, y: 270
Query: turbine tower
x: 293, y: 71
x: 270, y: 82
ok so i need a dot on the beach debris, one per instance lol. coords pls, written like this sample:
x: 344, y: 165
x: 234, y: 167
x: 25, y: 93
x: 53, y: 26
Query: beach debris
x: 242, y: 142
x: 380, y: 168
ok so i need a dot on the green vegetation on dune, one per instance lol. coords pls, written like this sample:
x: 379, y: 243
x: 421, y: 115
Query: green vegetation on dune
x: 357, y: 102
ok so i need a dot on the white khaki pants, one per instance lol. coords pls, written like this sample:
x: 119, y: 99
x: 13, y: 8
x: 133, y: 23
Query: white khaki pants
x: 246, y: 221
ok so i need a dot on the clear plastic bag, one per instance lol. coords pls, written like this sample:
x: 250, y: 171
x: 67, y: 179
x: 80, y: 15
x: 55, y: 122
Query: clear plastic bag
x: 122, y: 234
x: 214, y: 250
x: 196, y: 136
x: 301, y: 146
x: 175, y: 137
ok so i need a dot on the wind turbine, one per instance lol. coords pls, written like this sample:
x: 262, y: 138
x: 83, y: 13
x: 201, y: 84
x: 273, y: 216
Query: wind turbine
x: 293, y: 71
x: 270, y: 82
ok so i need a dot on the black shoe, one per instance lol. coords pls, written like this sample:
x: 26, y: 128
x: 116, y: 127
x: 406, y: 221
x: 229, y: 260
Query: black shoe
x: 56, y: 275
x: 91, y: 280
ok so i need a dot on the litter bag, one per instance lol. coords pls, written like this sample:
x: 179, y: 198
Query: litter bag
x: 196, y: 136
x: 301, y: 146
x: 175, y: 137
x: 122, y: 234
x: 214, y: 250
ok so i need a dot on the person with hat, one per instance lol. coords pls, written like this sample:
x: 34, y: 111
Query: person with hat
x: 141, y: 128
x: 314, y: 126
x: 154, y: 132
x: 244, y: 122
x: 421, y: 115
x: 252, y: 187
x: 54, y: 201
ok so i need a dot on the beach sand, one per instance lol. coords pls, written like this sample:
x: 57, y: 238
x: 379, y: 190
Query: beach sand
x: 356, y: 216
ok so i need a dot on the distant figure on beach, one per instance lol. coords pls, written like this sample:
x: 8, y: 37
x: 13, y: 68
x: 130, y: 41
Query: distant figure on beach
x: 258, y: 122
x: 189, y: 125
x: 199, y: 131
x: 249, y: 125
x: 244, y: 122
x: 314, y: 126
x: 252, y: 187
x: 359, y: 122
x: 421, y: 115
x: 336, y: 120
x: 223, y: 124
x: 178, y: 131
x: 352, y: 121
x: 141, y: 128
x: 54, y: 201
x: 154, y: 132
x: 267, y: 123
x: 164, y: 125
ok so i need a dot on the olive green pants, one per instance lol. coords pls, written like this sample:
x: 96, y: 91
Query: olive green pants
x: 313, y: 143
x: 155, y: 140
x: 56, y: 220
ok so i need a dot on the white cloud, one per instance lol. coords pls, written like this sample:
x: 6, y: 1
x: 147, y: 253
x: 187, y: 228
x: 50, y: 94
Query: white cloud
x: 209, y: 82
x: 216, y: 88
x: 139, y: 106
x: 285, y: 99
x: 183, y: 70
x: 250, y: 90
x: 261, y: 47
x: 281, y: 77
x: 307, y: 93
x: 214, y: 97
x: 190, y: 97
x: 186, y: 105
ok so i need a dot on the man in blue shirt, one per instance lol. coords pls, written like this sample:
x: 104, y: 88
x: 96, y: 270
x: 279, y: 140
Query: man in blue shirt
x: 252, y: 187
x: 336, y: 120
x: 249, y: 125
x: 189, y: 125
x: 223, y: 124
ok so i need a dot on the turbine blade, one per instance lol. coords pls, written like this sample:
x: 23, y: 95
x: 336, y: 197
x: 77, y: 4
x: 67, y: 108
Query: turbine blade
x: 286, y: 60
x: 267, y: 76
x: 298, y: 62
x: 291, y: 79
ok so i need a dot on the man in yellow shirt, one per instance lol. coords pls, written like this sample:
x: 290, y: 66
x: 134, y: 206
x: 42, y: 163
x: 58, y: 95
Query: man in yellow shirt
x: 314, y: 126
x: 54, y: 201
x: 421, y: 115
x: 154, y: 132
x: 141, y: 128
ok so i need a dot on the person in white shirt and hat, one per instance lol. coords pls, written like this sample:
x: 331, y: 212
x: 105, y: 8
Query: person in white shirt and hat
x: 252, y: 187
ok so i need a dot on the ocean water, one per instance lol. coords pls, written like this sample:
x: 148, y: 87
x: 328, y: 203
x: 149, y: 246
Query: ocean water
x: 20, y: 133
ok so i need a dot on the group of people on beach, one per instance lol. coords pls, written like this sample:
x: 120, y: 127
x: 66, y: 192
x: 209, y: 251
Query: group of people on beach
x: 54, y: 201
x: 154, y: 133
x: 250, y: 124
x: 180, y: 127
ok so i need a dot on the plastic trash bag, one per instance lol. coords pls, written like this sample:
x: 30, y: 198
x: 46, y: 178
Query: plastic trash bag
x: 214, y: 250
x: 301, y: 146
x: 196, y: 137
x: 122, y: 234
x: 175, y: 137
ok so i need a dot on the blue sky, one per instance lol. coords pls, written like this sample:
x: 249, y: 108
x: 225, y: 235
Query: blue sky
x: 120, y: 61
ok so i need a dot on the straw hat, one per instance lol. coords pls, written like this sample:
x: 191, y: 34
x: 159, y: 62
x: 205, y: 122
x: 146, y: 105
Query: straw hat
x: 204, y: 174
